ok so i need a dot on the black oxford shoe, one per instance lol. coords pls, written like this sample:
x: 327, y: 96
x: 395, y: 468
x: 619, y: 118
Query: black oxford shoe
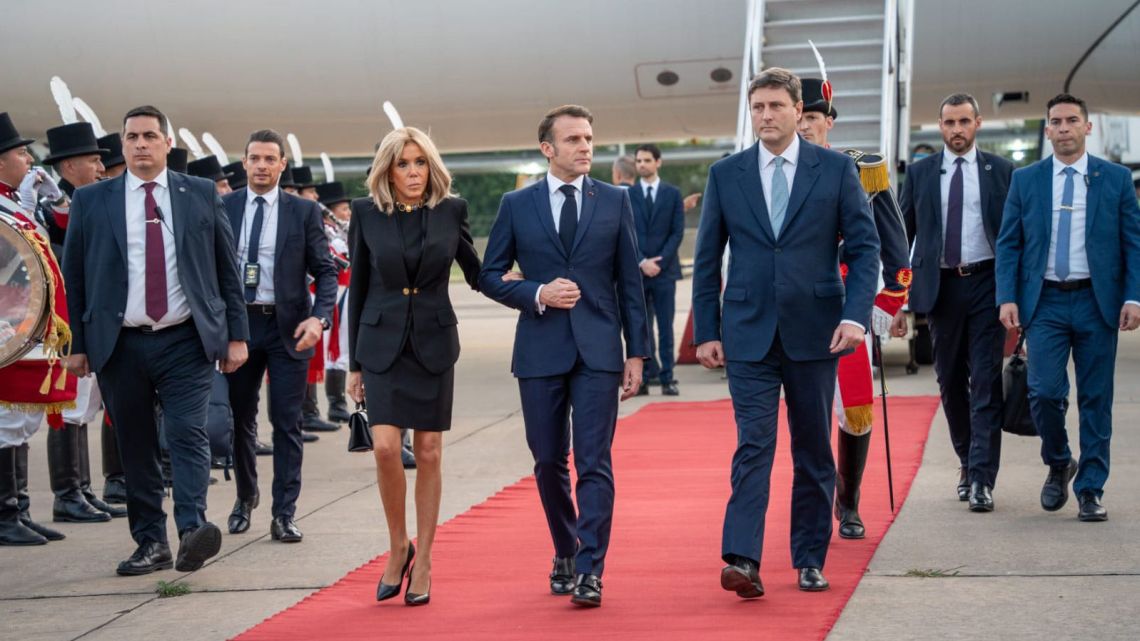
x: 115, y: 511
x: 1055, y: 492
x: 1091, y: 510
x: 811, y: 580
x: 963, y: 484
x: 148, y: 557
x: 587, y: 591
x: 742, y: 576
x: 981, y: 497
x: 670, y: 389
x: 285, y: 530
x: 74, y: 508
x: 197, y: 546
x: 562, y: 576
x: 240, y: 517
x: 115, y: 490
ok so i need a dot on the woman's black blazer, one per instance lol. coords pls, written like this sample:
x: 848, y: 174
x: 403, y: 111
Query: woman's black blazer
x: 380, y: 293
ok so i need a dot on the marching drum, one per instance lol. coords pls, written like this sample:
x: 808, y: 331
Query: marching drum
x: 25, y: 291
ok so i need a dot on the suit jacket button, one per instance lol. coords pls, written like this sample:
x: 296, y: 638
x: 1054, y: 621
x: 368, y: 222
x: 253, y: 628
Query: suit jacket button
x: 777, y: 250
x: 407, y: 291
x: 120, y: 314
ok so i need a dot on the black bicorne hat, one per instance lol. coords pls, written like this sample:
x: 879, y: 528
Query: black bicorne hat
x: 177, y: 159
x: 112, y: 144
x: 332, y: 193
x: 303, y: 176
x: 238, y: 178
x: 9, y: 137
x: 68, y: 141
x: 207, y: 167
x: 814, y: 99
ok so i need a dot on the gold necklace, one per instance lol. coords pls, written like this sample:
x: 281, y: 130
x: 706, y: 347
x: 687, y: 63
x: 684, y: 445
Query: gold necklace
x: 408, y: 208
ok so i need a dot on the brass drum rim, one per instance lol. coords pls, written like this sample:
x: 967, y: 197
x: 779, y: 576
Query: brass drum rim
x: 35, y: 320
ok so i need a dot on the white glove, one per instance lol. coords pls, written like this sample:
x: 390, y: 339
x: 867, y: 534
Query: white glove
x: 27, y: 191
x: 48, y: 187
x: 881, y: 323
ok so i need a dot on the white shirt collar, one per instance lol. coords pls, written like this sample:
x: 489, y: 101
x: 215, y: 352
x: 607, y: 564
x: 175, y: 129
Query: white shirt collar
x: 645, y: 183
x: 135, y: 183
x: 554, y: 183
x: 269, y: 196
x: 1081, y: 165
x: 970, y: 156
x: 791, y: 155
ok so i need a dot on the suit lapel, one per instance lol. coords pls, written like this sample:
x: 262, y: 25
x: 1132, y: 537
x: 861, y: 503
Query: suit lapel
x: 637, y: 199
x: 116, y: 207
x: 807, y: 171
x: 934, y: 191
x: 541, y: 193
x: 236, y: 211
x: 1092, y: 197
x: 589, y: 204
x: 180, y: 204
x: 753, y: 189
x: 1045, y: 194
x: 985, y: 189
x: 285, y: 217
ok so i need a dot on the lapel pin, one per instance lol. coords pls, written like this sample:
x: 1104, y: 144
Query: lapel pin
x: 589, y: 193
x: 182, y: 189
x: 989, y: 167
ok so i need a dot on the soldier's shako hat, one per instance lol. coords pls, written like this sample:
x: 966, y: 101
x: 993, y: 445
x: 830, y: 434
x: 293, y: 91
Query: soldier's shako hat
x: 177, y: 159
x: 814, y: 99
x: 332, y: 193
x: 113, y: 146
x: 207, y: 167
x: 303, y: 176
x: 286, y: 179
x: 238, y: 178
x: 9, y: 137
x: 68, y: 141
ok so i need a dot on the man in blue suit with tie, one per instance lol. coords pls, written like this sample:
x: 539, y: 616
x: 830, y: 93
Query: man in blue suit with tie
x: 574, y: 240
x: 659, y: 216
x: 780, y: 206
x: 1068, y: 274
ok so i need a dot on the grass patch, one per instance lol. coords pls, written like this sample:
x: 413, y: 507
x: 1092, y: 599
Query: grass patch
x: 166, y: 590
x: 933, y: 573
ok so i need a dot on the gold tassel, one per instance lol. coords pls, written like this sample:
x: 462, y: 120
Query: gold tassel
x: 859, y: 419
x: 875, y: 178
x: 37, y: 407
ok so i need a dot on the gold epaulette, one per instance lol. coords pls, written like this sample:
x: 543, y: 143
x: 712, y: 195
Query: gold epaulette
x: 873, y: 171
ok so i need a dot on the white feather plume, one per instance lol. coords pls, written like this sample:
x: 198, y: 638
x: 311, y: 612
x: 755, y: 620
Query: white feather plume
x: 89, y: 116
x: 819, y: 59
x: 327, y: 162
x: 191, y: 143
x: 215, y: 148
x: 393, y: 115
x: 295, y: 150
x: 62, y: 96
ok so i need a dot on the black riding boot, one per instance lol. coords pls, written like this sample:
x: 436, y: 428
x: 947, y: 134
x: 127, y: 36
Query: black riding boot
x: 12, y: 530
x: 849, y: 476
x: 407, y: 456
x: 84, y: 452
x: 114, y: 479
x: 63, y: 468
x: 311, y: 415
x: 24, y: 500
x: 334, y: 392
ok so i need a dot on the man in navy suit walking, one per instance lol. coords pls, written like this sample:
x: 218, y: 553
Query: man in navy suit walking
x: 574, y: 240
x: 780, y: 205
x: 1068, y: 274
x: 659, y: 216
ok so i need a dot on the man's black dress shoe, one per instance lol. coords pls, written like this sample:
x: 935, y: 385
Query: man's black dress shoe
x: 74, y: 508
x: 115, y: 490
x: 587, y: 591
x: 262, y: 449
x: 742, y: 576
x: 411, y: 598
x: 308, y: 437
x: 811, y: 580
x: 385, y: 591
x: 562, y: 576
x: 981, y: 497
x: 240, y: 517
x: 285, y: 530
x: 148, y: 557
x: 1091, y: 509
x: 196, y: 546
x: 115, y: 511
x: 314, y: 423
x: 670, y: 389
x: 643, y: 390
x: 963, y: 484
x: 1055, y: 492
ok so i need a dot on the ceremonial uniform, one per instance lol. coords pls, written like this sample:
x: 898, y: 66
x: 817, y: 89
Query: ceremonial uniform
x: 336, y: 337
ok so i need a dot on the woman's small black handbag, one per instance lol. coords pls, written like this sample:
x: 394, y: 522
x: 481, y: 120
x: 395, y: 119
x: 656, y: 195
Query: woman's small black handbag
x: 359, y: 431
x: 1015, y: 383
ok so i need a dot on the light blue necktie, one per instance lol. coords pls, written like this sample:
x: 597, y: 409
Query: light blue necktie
x: 779, y: 197
x: 1064, y: 226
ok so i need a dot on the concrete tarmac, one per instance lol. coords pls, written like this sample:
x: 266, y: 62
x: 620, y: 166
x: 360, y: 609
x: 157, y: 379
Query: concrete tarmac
x: 1018, y: 573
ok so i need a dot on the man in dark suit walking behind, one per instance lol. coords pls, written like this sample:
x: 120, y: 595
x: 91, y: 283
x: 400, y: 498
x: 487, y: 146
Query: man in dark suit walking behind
x: 574, y: 239
x: 154, y: 288
x: 279, y: 243
x: 781, y: 205
x: 1068, y: 273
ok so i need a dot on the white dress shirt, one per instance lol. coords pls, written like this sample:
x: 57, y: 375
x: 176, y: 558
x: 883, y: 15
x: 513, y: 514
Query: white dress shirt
x: 178, y: 309
x: 556, y: 200
x: 267, y: 245
x: 645, y: 185
x: 791, y: 156
x: 1078, y: 258
x: 975, y: 246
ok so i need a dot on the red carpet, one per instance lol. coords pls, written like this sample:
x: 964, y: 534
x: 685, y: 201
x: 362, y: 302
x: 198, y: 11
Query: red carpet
x: 671, y: 462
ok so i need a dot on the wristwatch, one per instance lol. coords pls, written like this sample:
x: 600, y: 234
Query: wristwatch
x: 324, y: 324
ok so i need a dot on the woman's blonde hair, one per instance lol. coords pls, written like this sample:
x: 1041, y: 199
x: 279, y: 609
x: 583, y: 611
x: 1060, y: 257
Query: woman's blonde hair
x: 380, y: 184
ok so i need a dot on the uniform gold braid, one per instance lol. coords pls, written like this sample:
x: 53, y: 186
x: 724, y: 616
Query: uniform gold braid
x: 57, y: 334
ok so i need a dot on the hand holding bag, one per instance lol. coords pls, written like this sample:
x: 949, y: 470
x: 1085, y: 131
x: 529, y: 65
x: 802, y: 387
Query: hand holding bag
x: 1016, y: 418
x: 359, y: 431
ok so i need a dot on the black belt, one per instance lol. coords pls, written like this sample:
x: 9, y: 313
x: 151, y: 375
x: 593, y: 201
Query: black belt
x: 970, y: 269
x: 150, y: 329
x: 261, y: 309
x: 1069, y: 285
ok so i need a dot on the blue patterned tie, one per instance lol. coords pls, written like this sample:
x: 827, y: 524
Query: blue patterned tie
x: 1064, y: 226
x: 779, y: 197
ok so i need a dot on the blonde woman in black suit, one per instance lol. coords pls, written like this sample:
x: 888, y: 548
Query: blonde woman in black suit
x: 403, y: 341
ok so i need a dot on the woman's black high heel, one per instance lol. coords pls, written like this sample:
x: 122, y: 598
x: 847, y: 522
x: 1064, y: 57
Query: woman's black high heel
x: 385, y: 591
x: 416, y: 599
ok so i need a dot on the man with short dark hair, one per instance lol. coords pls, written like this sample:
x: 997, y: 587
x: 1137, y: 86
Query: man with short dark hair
x: 1068, y: 274
x: 157, y: 298
x: 952, y: 203
x: 659, y: 216
x: 787, y: 318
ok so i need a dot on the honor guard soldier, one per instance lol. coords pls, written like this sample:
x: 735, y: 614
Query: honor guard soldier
x: 113, y: 162
x: 236, y: 173
x: 338, y: 212
x: 211, y: 169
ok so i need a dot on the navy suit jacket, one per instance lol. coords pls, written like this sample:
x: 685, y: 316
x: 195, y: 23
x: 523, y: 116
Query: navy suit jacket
x: 302, y: 250
x: 921, y: 203
x: 792, y: 284
x: 602, y: 261
x: 1112, y: 238
x: 95, y: 266
x: 659, y: 232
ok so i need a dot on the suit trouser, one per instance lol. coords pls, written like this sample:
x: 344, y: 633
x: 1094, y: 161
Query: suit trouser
x: 809, y: 388
x: 1067, y: 321
x: 170, y: 368
x: 587, y: 398
x: 661, y: 297
x: 287, y: 379
x: 968, y: 339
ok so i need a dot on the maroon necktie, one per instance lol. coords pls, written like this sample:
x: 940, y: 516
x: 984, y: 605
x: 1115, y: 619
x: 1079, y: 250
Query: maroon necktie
x: 156, y: 303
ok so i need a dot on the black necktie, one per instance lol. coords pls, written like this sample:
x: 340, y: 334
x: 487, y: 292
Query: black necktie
x: 255, y: 243
x: 953, y: 249
x: 649, y: 200
x: 568, y: 218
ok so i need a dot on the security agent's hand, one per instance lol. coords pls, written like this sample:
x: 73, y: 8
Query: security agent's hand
x: 355, y: 387
x: 846, y: 336
x: 711, y: 354
x: 651, y: 266
x: 631, y: 378
x: 881, y: 323
x: 77, y: 365
x: 1129, y: 317
x: 1008, y: 316
x: 309, y: 331
x: 236, y: 357
x: 560, y: 293
x: 899, y: 325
